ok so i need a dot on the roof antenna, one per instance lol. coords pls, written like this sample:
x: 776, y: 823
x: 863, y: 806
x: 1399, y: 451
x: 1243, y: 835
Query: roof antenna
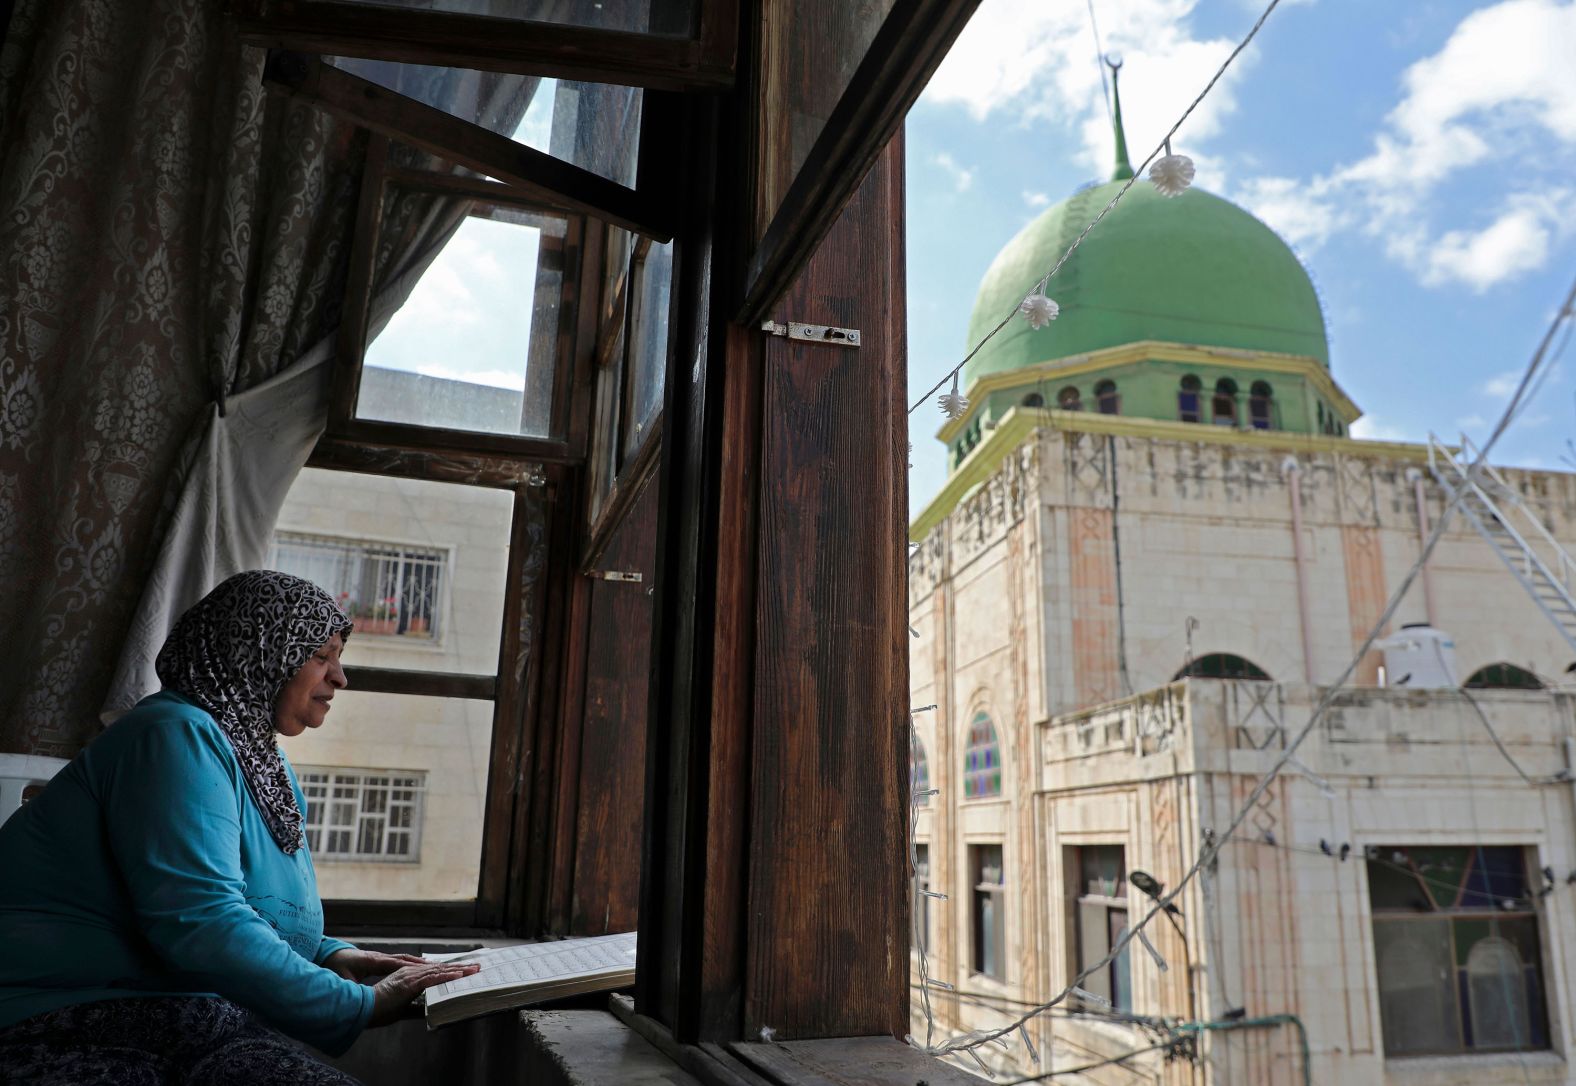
x: 1099, y: 63
x: 1124, y: 168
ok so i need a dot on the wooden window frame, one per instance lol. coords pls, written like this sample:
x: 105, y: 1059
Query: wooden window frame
x: 512, y: 688
x: 704, y: 62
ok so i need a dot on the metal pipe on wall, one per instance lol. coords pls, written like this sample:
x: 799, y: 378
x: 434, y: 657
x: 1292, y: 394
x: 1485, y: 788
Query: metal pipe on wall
x: 1293, y: 473
x: 1416, y: 476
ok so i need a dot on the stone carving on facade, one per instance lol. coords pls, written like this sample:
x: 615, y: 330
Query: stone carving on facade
x: 927, y: 564
x: 1358, y: 495
x: 1086, y: 459
x: 996, y: 505
x: 1260, y: 713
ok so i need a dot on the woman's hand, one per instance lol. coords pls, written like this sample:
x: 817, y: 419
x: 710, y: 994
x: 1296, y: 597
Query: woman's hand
x: 394, y: 993
x: 367, y: 966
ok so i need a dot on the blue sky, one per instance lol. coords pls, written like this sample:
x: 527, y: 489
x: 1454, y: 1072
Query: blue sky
x: 1420, y: 156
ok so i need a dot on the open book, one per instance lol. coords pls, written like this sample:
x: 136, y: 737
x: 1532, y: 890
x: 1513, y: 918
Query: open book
x: 514, y: 976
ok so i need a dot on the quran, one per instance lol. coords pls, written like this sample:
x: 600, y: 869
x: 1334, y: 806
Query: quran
x: 515, y: 976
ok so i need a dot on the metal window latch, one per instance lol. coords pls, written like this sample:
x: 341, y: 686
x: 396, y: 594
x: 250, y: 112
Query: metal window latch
x: 615, y: 575
x: 813, y: 333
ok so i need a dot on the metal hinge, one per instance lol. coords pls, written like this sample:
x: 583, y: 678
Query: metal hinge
x: 813, y: 333
x: 615, y: 575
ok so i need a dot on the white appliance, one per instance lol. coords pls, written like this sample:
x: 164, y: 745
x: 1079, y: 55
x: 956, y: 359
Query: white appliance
x: 1421, y: 657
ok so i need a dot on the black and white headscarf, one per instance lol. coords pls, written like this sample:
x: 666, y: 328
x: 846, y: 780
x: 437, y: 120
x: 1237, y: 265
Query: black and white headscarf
x: 232, y: 653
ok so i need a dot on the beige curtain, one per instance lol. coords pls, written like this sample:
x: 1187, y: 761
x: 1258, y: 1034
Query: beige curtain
x: 173, y: 244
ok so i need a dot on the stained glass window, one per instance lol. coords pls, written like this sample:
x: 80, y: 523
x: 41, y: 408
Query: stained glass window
x: 981, y: 760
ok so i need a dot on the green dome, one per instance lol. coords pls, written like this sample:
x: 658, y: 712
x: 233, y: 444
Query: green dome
x: 1191, y: 269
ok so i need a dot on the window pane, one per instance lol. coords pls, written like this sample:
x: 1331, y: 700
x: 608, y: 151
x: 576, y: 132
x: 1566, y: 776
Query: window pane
x: 595, y: 126
x: 434, y: 851
x: 1121, y: 968
x: 1497, y: 995
x: 473, y: 347
x: 1417, y: 989
x: 810, y: 52
x: 658, y: 17
x: 649, y: 343
x: 420, y: 565
x: 1104, y: 870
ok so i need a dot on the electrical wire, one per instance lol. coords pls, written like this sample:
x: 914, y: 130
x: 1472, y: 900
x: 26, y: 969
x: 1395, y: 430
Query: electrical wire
x: 1138, y: 173
x: 1047, y: 1075
x: 1214, y: 842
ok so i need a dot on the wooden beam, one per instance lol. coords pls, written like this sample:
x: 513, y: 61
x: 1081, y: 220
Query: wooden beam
x: 905, y: 53
x: 481, y: 189
x: 486, y: 43
x: 351, y: 341
x: 406, y: 435
x: 436, y: 684
x: 336, y: 454
x: 378, y: 109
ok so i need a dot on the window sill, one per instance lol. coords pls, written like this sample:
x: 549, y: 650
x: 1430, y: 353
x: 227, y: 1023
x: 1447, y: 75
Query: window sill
x: 1472, y: 1066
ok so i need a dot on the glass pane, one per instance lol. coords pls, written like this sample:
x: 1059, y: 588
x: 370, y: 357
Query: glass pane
x: 595, y: 126
x: 434, y: 850
x: 420, y: 566
x: 674, y: 18
x: 1121, y: 968
x: 1103, y: 870
x: 648, y: 360
x: 474, y: 344
x: 809, y: 54
x: 1417, y: 1004
x: 1497, y: 995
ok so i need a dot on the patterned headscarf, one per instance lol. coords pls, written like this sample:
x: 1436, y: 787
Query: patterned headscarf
x: 232, y: 653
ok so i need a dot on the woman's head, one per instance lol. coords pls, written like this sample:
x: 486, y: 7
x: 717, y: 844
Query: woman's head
x: 260, y: 653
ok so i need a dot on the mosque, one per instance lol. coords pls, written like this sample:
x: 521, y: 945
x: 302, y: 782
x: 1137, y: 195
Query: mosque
x: 1158, y: 548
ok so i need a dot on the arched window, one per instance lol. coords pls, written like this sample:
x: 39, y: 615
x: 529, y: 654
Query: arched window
x: 1261, y: 406
x: 1069, y: 400
x: 1107, y: 398
x: 1223, y: 405
x: 1190, y: 399
x: 1033, y: 399
x: 918, y: 771
x: 1223, y: 665
x: 1503, y: 676
x: 981, y: 760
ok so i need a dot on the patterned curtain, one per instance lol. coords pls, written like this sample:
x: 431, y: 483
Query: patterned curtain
x: 172, y: 239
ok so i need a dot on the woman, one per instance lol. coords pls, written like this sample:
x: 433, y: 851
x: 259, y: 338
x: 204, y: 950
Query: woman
x: 159, y: 916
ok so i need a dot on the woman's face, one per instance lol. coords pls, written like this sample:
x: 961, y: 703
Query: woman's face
x: 303, y: 703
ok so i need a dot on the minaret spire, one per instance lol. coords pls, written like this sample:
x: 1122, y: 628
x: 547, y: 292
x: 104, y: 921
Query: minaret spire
x: 1124, y: 168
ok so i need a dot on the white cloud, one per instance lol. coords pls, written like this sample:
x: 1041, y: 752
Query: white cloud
x: 1027, y: 62
x: 1503, y: 81
x: 1370, y: 428
x: 1501, y: 385
x: 1036, y: 199
x: 962, y: 178
x: 1303, y: 213
x: 1516, y: 242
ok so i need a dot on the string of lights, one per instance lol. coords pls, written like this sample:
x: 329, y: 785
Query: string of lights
x: 1213, y: 842
x: 1040, y: 314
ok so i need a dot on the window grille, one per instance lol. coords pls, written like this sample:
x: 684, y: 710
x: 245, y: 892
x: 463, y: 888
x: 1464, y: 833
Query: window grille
x: 1457, y: 950
x: 981, y: 760
x: 387, y: 588
x: 361, y: 814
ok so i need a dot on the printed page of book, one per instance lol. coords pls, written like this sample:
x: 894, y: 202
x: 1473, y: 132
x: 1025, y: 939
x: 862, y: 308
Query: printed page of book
x: 537, y: 965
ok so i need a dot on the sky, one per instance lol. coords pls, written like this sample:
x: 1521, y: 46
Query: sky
x: 1419, y: 156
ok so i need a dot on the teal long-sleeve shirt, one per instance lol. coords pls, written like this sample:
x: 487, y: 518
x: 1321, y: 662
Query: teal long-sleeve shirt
x: 145, y: 868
